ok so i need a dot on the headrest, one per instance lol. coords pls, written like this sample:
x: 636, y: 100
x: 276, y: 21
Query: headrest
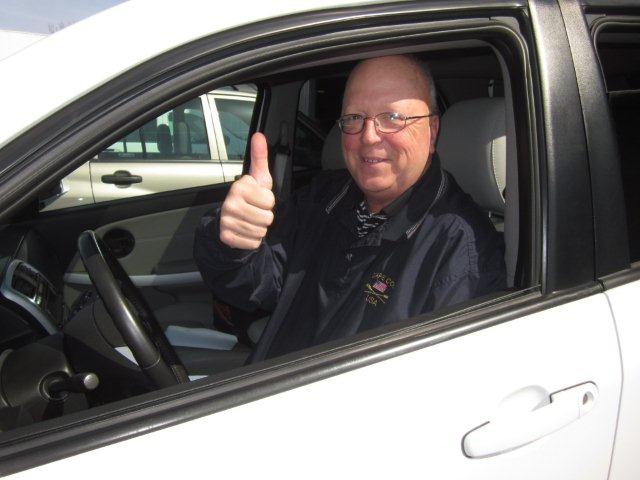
x: 473, y: 148
x: 332, y: 158
x: 163, y: 139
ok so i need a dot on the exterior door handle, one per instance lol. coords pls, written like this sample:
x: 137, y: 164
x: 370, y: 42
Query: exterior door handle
x: 121, y: 178
x: 528, y: 415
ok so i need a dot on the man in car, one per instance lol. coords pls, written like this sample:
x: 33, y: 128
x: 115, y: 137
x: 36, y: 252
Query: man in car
x: 391, y: 237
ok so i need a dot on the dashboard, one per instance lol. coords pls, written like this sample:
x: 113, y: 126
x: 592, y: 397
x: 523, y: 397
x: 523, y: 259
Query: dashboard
x: 36, y: 377
x: 31, y: 302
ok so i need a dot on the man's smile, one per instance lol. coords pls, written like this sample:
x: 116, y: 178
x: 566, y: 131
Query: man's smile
x: 373, y: 160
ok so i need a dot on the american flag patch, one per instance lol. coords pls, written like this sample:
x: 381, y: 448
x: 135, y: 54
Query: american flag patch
x: 380, y: 286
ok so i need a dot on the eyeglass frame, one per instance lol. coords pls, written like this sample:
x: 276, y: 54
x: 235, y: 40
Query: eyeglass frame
x: 375, y: 124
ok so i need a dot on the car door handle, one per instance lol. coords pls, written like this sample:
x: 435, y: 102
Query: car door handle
x: 528, y: 415
x: 121, y: 178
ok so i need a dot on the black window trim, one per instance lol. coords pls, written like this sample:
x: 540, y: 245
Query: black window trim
x: 568, y: 236
x: 611, y: 239
x: 604, y: 16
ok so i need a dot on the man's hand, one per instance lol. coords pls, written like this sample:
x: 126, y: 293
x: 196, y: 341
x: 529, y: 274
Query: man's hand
x: 247, y: 211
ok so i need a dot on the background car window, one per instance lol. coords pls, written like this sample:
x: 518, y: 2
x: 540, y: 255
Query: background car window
x: 235, y: 119
x: 178, y: 135
x: 232, y: 109
x: 619, y: 52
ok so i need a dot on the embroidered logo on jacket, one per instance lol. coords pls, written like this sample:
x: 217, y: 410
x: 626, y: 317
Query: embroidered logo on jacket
x: 378, y: 288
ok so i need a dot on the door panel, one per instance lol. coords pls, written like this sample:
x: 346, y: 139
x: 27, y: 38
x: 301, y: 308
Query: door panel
x: 404, y: 417
x: 625, y: 304
x: 162, y: 254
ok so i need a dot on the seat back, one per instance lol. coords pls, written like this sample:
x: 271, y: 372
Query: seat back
x: 473, y: 148
x: 332, y: 158
x: 477, y: 146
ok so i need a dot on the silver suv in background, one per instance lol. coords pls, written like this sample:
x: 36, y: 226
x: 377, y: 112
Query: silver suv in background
x: 200, y: 142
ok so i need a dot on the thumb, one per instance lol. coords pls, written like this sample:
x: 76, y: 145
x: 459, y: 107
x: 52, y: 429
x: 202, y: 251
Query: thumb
x: 259, y: 168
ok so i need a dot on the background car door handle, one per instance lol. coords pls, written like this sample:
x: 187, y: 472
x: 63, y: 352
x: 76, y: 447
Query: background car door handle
x: 526, y: 416
x: 121, y: 178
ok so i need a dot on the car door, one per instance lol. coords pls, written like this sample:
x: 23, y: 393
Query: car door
x: 522, y: 384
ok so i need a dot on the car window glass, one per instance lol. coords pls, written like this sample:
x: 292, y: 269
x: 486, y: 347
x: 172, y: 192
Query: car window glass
x: 196, y: 143
x: 619, y: 52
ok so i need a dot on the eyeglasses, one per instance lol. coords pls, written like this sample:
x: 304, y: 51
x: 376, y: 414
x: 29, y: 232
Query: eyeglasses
x: 387, y: 122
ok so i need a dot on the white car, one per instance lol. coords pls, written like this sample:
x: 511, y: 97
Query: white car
x: 539, y: 124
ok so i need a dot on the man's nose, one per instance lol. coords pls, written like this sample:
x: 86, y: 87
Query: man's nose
x: 369, y: 133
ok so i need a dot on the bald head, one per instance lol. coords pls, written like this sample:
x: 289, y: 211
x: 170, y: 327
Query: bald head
x: 402, y: 70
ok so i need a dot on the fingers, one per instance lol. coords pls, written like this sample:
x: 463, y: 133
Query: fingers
x: 235, y: 240
x: 259, y: 168
x: 252, y: 193
x: 243, y: 228
x: 239, y: 209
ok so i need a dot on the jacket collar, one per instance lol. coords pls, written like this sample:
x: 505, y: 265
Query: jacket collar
x: 406, y: 213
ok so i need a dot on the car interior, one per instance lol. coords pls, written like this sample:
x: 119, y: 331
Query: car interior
x: 103, y: 301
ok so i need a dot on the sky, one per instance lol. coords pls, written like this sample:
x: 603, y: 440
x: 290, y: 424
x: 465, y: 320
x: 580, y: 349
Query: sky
x: 47, y: 16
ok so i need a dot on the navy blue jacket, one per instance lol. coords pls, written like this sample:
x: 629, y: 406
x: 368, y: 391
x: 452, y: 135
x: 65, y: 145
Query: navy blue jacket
x: 322, y: 282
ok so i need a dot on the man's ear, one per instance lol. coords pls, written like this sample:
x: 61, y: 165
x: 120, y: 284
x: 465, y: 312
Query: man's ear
x: 434, y: 127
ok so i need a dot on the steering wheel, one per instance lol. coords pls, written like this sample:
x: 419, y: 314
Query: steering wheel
x: 130, y: 313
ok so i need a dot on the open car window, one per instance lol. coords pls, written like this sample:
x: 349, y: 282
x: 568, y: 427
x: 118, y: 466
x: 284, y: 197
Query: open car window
x: 211, y: 131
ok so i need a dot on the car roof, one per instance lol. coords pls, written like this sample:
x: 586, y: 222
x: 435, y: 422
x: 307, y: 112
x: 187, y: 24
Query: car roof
x: 58, y: 69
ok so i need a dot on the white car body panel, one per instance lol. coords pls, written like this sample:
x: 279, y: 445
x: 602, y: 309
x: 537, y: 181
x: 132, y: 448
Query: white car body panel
x: 625, y: 306
x: 120, y: 41
x: 401, y: 418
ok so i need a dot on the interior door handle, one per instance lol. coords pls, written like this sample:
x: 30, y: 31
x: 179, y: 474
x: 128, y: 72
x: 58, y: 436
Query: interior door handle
x: 121, y: 178
x: 528, y: 415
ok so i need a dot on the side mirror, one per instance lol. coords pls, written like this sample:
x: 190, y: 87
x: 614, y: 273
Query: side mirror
x: 57, y: 191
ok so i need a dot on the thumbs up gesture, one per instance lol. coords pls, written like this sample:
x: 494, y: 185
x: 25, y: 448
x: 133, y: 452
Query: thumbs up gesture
x: 247, y: 212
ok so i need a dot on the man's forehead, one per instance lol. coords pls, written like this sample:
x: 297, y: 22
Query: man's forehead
x: 387, y: 79
x: 383, y: 94
x: 376, y: 95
